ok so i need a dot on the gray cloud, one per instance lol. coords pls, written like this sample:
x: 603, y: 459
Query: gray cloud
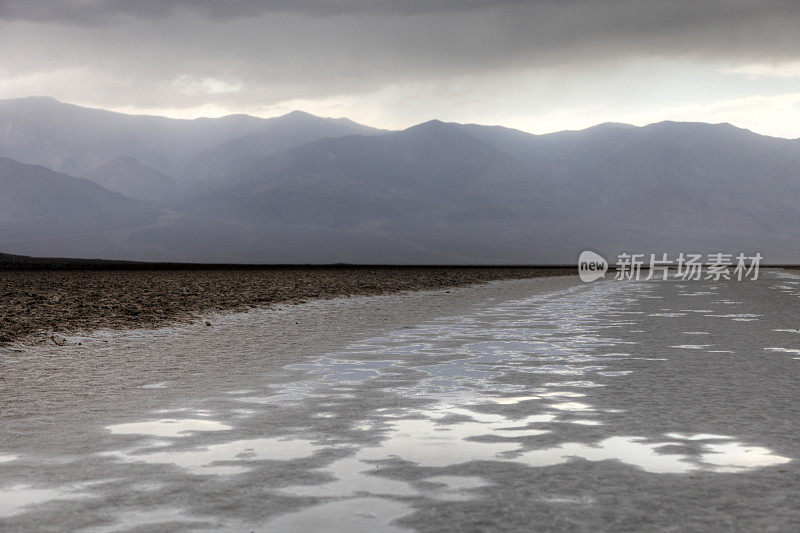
x: 653, y: 13
x: 242, y: 53
x: 83, y: 12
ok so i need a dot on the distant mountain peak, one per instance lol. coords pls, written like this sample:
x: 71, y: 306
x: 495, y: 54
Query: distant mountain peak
x: 299, y: 113
x: 613, y: 125
x: 724, y: 128
x: 693, y: 124
x: 49, y: 99
x: 433, y: 123
x: 433, y: 126
x: 306, y: 117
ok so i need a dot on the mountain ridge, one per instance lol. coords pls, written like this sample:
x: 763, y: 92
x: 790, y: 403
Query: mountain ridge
x: 307, y: 189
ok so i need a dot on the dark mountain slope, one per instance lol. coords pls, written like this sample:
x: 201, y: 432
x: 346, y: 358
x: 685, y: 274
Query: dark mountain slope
x: 130, y: 178
x: 211, y: 168
x: 358, y: 180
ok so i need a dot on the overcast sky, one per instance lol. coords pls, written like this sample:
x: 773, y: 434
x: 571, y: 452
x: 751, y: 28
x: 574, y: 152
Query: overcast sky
x: 538, y: 65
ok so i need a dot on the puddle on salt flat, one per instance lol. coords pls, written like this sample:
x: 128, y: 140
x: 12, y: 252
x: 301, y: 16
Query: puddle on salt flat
x: 18, y: 498
x: 168, y: 427
x: 561, y: 337
x: 698, y: 436
x: 241, y: 413
x: 726, y: 457
x: 733, y: 457
x: 422, y: 441
x: 563, y: 394
x: 148, y: 519
x: 205, y: 460
x: 159, y: 385
x: 583, y: 422
x: 511, y: 400
x: 438, y: 441
x: 571, y: 406
x: 344, y: 370
x: 698, y: 293
x: 692, y: 346
x: 579, y: 384
x: 409, y: 349
x: 345, y: 516
x: 738, y: 317
x: 628, y: 450
x: 447, y: 435
x: 563, y: 370
x: 289, y: 397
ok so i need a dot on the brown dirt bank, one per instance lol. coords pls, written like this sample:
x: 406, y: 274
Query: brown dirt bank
x: 35, y: 301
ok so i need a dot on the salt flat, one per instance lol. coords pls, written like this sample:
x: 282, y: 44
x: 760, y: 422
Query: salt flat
x: 539, y: 404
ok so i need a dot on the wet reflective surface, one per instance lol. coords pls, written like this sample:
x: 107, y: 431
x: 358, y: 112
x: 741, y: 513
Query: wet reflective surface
x: 605, y: 406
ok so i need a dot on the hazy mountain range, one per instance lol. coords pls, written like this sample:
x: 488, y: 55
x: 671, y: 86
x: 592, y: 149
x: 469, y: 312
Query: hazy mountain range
x: 300, y: 188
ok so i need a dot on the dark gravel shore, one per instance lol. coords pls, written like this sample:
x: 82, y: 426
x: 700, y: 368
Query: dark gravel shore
x: 38, y: 302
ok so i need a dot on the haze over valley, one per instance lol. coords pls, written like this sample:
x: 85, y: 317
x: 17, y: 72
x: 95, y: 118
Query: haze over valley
x: 80, y: 182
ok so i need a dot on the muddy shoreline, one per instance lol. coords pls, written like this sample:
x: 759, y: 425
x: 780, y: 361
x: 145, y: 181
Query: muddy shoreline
x: 38, y: 303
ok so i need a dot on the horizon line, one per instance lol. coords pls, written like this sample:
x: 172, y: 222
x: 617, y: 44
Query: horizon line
x: 554, y: 132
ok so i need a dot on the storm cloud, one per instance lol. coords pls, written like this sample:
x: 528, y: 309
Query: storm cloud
x: 243, y: 55
x: 82, y: 11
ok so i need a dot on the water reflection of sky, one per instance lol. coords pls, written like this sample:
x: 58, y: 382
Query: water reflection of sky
x: 514, y: 383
